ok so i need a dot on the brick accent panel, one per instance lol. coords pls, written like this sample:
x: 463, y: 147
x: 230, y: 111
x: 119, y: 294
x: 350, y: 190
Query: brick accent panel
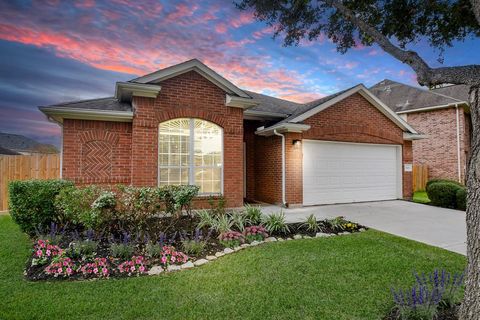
x: 97, y: 151
x: 407, y: 157
x: 188, y: 96
x: 439, y: 150
x: 249, y: 128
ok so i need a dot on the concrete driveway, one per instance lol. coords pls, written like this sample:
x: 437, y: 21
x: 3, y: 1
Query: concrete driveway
x: 444, y: 228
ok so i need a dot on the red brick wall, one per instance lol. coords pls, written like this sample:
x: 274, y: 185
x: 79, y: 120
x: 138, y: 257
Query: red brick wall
x: 268, y: 169
x: 97, y: 152
x: 439, y: 150
x: 188, y: 96
x: 249, y: 128
x: 407, y: 155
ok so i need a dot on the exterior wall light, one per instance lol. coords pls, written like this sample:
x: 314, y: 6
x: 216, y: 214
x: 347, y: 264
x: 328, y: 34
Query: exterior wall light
x: 296, y: 142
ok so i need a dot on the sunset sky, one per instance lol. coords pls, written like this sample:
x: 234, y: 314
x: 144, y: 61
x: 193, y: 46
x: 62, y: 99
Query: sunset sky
x: 55, y: 51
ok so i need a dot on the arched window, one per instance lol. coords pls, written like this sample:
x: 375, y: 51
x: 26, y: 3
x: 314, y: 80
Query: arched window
x: 190, y: 151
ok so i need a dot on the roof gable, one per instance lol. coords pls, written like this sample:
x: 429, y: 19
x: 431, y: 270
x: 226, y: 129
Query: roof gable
x: 324, y: 103
x: 192, y: 65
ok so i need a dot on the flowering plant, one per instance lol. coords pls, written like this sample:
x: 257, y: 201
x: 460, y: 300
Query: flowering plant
x: 98, y: 268
x: 62, y: 266
x: 43, y: 251
x: 137, y: 265
x: 255, y: 233
x: 170, y: 256
x: 231, y: 239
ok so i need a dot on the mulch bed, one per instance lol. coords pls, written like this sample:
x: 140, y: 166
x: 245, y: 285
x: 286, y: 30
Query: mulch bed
x: 443, y: 314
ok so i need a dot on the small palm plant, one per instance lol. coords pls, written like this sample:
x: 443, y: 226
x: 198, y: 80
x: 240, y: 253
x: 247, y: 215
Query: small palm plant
x: 311, y: 224
x: 276, y: 223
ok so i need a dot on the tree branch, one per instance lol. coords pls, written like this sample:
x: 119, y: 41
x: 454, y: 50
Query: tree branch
x: 425, y: 74
x: 476, y: 9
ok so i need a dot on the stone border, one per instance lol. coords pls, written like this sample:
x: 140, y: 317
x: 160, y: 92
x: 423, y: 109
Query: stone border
x: 155, y: 270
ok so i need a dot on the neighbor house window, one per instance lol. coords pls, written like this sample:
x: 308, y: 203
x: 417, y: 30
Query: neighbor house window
x: 190, y: 152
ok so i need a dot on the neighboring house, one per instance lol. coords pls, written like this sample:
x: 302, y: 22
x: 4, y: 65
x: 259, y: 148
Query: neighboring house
x: 442, y: 115
x: 22, y: 145
x: 186, y: 124
x: 8, y: 152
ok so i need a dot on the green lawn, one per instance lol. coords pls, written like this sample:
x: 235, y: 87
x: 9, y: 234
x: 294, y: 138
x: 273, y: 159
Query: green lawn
x: 345, y: 277
x: 421, y: 197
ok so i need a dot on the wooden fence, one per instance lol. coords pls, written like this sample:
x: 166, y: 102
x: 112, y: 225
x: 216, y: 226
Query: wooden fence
x: 39, y: 166
x: 420, y: 177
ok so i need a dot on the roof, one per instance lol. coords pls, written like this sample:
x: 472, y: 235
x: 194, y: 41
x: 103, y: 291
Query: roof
x: 109, y: 103
x: 19, y: 143
x: 272, y: 104
x: 5, y: 151
x: 404, y: 98
x: 293, y: 123
x: 457, y: 91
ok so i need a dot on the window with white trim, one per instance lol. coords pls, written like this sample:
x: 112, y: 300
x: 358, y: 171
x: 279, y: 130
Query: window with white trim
x: 190, y: 151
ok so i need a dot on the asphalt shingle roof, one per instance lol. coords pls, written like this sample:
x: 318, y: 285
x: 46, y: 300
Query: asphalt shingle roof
x: 5, y: 151
x: 458, y: 91
x: 401, y: 97
x: 272, y: 104
x: 110, y: 104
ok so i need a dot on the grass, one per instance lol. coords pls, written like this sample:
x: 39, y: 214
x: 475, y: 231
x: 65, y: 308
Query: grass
x: 344, y: 277
x: 421, y: 197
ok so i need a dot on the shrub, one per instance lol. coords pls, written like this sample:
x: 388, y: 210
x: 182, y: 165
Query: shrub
x: 43, y: 251
x: 98, y: 268
x: 239, y: 220
x: 443, y: 194
x: 339, y: 224
x: 32, y: 203
x: 75, y: 206
x: 231, y: 239
x: 223, y: 223
x: 177, y: 198
x: 171, y: 256
x: 429, y: 182
x: 124, y: 249
x: 62, y: 266
x: 83, y: 249
x: 207, y: 220
x: 217, y: 205
x: 53, y: 234
x: 276, y: 223
x: 253, y: 214
x: 153, y: 250
x: 255, y: 233
x: 196, y: 244
x: 461, y: 199
x: 134, y: 266
x: 311, y: 224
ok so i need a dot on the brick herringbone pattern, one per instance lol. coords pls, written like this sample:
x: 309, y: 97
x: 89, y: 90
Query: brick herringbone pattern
x: 97, y: 159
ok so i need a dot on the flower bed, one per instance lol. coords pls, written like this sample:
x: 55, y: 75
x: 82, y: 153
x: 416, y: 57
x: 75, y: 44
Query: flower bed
x: 95, y: 232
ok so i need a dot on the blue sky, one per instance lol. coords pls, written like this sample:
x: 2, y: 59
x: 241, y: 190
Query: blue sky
x: 55, y: 51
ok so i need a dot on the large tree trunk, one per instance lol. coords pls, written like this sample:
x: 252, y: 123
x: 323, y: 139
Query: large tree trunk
x: 470, y: 309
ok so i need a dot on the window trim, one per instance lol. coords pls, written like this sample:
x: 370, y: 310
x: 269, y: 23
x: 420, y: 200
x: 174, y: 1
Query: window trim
x: 191, y: 174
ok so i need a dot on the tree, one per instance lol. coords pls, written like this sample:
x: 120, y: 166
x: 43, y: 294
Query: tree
x: 395, y: 25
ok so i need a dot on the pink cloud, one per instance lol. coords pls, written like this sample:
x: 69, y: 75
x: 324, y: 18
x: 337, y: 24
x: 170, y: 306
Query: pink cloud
x: 221, y: 27
x: 181, y: 11
x: 263, y: 32
x: 243, y: 18
x: 86, y: 4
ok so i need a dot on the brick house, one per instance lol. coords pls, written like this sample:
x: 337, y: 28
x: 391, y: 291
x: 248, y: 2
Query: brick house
x: 442, y: 115
x: 186, y: 124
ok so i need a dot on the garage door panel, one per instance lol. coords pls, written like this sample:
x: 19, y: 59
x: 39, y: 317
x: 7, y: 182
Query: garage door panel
x: 339, y: 172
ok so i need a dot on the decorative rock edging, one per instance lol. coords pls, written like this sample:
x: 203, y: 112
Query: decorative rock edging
x: 155, y: 270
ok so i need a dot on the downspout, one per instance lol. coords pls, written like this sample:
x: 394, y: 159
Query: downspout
x: 458, y: 145
x: 284, y: 203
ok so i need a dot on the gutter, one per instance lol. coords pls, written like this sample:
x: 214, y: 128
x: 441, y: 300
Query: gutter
x: 459, y: 166
x: 284, y: 202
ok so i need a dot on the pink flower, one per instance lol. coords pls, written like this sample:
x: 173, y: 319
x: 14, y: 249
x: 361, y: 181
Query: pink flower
x: 142, y: 268
x: 132, y: 268
x: 69, y: 270
x: 59, y: 270
x: 173, y: 259
x: 48, y: 253
x: 39, y: 253
x: 95, y: 270
x: 105, y: 271
x: 164, y: 259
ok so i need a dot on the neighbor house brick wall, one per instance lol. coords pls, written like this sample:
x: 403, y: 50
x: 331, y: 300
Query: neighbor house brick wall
x: 97, y: 152
x: 188, y: 95
x: 439, y: 150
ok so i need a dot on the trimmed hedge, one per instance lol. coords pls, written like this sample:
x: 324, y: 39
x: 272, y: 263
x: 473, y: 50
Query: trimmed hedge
x: 31, y: 202
x: 462, y: 199
x: 446, y: 193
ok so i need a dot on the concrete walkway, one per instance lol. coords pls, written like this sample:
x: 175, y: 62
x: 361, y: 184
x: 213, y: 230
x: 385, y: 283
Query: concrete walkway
x: 444, y: 228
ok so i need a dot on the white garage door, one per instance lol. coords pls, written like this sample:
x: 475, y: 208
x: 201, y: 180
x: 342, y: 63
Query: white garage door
x: 350, y: 172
